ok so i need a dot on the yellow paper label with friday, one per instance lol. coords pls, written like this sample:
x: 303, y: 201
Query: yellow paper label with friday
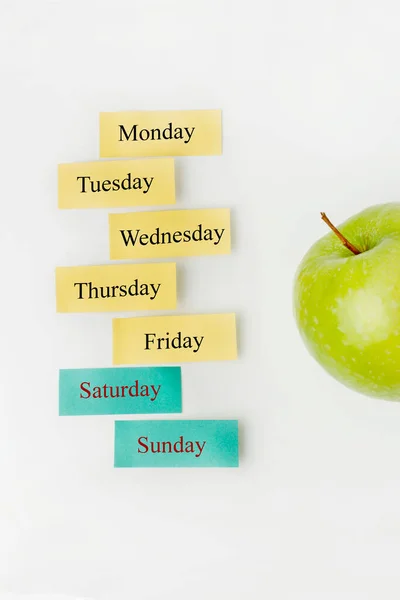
x: 115, y: 183
x: 174, y: 339
x: 116, y: 288
x: 170, y: 233
x: 160, y: 133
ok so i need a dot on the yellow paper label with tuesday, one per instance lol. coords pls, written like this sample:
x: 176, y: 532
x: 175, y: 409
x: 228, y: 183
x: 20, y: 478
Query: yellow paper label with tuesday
x: 116, y: 288
x: 116, y: 183
x: 174, y: 339
x: 160, y: 133
x: 170, y: 233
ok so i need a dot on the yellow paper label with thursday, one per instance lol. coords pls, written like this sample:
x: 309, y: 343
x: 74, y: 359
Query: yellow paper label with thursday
x: 116, y: 288
x: 174, y: 339
x: 170, y: 233
x: 160, y: 133
x: 116, y: 183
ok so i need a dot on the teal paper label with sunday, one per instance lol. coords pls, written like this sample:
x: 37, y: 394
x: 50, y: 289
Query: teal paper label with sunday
x: 176, y: 444
x: 120, y: 391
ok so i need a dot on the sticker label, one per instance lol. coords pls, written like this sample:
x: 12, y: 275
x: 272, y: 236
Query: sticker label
x: 114, y: 183
x: 176, y: 443
x: 174, y: 339
x: 116, y: 288
x: 170, y: 233
x: 160, y: 133
x: 120, y: 391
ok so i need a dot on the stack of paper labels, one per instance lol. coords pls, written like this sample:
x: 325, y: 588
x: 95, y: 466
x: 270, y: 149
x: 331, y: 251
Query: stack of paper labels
x: 157, y: 340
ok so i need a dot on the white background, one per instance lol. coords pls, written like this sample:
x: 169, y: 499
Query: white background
x: 310, y: 93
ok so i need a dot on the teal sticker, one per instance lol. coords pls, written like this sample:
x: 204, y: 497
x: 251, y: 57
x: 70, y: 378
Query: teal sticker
x: 176, y: 444
x: 120, y: 391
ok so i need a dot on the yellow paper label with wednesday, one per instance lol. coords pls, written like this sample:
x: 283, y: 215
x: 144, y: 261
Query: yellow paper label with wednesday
x: 174, y: 339
x: 115, y: 183
x: 160, y: 133
x: 116, y: 288
x: 170, y: 233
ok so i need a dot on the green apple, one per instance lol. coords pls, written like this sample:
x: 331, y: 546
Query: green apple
x: 347, y: 301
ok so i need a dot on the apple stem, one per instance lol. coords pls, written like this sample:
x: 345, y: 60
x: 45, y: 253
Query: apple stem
x: 341, y: 237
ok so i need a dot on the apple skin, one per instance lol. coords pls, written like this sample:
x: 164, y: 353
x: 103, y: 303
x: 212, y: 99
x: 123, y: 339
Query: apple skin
x: 347, y: 306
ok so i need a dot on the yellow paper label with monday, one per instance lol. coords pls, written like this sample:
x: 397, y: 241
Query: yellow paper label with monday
x: 116, y: 183
x: 116, y: 288
x: 170, y: 233
x: 174, y: 339
x: 160, y: 133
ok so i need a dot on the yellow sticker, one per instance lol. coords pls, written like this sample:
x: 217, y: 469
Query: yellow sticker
x: 160, y: 133
x: 170, y: 233
x: 116, y: 183
x: 174, y: 339
x: 116, y: 288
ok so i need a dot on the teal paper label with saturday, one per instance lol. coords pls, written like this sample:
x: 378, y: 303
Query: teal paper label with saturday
x: 120, y: 391
x: 176, y: 444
